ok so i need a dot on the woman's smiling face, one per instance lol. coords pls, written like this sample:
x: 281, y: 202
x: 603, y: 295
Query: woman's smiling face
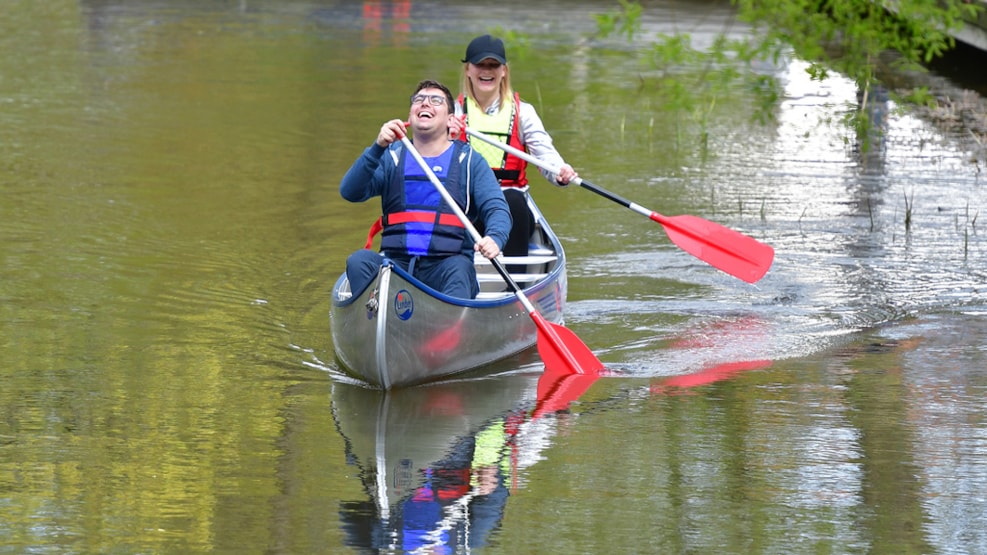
x: 486, y: 75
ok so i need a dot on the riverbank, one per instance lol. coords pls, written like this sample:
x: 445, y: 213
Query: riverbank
x: 963, y: 111
x: 955, y: 109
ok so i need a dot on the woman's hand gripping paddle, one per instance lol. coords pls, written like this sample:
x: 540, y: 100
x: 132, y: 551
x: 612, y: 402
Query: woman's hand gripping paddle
x: 723, y: 248
x: 559, y: 348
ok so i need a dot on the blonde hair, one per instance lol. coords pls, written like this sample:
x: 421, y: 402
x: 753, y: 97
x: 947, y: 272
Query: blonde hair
x: 466, y: 86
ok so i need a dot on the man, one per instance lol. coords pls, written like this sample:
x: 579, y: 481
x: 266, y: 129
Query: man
x: 420, y: 232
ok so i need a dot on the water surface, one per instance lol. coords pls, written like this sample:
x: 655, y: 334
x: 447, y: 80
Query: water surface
x: 171, y: 227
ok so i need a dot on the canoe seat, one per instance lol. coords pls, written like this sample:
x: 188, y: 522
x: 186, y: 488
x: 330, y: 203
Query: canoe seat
x: 487, y: 295
x: 479, y: 260
x: 520, y: 278
x: 533, y: 267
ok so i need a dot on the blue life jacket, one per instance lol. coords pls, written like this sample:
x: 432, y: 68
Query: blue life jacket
x: 416, y: 220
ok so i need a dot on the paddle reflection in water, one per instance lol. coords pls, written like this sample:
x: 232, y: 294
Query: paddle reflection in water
x: 720, y: 372
x: 436, y: 461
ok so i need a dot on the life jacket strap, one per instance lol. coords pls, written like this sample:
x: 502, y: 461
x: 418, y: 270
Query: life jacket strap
x: 375, y: 228
x: 422, y: 217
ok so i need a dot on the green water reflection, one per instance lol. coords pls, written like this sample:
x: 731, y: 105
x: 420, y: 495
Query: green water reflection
x: 170, y: 228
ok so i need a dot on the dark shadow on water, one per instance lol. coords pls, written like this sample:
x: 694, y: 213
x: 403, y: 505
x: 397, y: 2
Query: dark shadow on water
x: 964, y: 65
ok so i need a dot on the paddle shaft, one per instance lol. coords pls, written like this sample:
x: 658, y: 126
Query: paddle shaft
x: 578, y: 180
x: 544, y: 327
x: 730, y: 251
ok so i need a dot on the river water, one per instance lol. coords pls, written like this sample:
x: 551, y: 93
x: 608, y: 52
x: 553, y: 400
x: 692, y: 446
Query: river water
x: 170, y: 229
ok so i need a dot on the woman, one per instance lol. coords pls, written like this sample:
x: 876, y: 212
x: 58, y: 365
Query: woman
x: 491, y: 106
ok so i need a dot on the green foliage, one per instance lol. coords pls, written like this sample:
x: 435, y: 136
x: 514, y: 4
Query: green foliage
x: 689, y: 82
x: 626, y: 22
x: 517, y: 44
x: 848, y: 37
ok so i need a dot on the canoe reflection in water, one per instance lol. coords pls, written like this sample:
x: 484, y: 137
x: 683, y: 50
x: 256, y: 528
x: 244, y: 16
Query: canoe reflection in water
x: 437, y: 461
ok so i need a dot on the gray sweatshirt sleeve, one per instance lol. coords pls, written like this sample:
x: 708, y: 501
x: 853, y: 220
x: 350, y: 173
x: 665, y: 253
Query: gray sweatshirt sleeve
x: 538, y: 141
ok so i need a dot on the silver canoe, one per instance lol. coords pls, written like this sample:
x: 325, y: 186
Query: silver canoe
x: 400, y: 332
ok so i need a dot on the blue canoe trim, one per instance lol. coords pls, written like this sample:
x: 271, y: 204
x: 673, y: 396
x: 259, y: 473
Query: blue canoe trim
x: 457, y: 301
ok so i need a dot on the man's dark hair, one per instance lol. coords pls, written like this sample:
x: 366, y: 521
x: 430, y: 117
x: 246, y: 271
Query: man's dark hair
x: 430, y: 84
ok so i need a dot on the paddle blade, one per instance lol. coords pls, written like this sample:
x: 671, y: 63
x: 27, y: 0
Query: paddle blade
x: 562, y: 351
x: 732, y: 252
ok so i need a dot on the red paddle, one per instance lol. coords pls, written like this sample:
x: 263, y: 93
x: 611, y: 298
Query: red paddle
x: 558, y: 347
x: 723, y: 248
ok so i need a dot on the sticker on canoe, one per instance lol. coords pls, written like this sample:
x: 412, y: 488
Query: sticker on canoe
x: 404, y: 306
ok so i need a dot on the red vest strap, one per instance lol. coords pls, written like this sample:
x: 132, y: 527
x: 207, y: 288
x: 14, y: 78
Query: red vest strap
x: 375, y: 228
x: 423, y: 217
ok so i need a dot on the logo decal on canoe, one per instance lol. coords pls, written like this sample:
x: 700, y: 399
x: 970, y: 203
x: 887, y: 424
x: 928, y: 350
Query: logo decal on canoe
x: 404, y: 306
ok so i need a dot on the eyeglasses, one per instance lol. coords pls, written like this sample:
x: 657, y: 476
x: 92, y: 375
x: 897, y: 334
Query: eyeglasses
x: 433, y: 99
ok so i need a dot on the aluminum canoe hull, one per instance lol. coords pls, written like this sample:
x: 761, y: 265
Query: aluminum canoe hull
x: 399, y: 332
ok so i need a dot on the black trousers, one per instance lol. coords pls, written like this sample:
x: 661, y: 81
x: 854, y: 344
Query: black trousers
x: 524, y: 223
x: 517, y: 241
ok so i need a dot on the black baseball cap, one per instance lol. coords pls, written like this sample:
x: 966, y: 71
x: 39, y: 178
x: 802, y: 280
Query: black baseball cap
x: 484, y: 47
